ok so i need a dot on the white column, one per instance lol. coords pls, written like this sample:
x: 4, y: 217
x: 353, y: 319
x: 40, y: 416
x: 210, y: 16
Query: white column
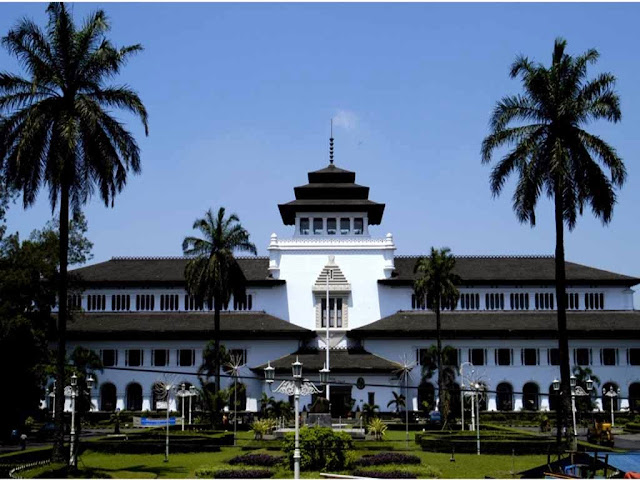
x: 517, y: 402
x: 492, y: 402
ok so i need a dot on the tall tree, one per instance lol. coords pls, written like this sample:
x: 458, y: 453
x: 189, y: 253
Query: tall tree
x: 57, y: 129
x: 28, y: 272
x: 436, y: 284
x: 213, y: 274
x: 552, y: 154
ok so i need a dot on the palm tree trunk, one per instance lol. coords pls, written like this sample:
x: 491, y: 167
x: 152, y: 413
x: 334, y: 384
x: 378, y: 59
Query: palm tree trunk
x: 564, y: 403
x: 216, y: 339
x: 439, y: 353
x: 58, y: 453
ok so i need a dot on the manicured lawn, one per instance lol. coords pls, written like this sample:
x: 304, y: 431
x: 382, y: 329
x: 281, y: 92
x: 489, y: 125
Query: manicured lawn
x: 184, y: 465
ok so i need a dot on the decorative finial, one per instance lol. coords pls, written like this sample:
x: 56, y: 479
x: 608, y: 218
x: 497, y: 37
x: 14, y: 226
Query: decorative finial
x: 331, y: 144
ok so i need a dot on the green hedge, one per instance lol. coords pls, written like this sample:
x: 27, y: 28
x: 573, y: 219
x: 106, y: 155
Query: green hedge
x: 26, y: 456
x: 177, y: 444
x: 632, y: 427
x: 491, y: 445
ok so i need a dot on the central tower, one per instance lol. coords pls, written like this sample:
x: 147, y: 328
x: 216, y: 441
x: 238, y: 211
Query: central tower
x: 331, y: 264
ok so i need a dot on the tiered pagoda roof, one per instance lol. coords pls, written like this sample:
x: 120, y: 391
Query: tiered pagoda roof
x: 331, y: 189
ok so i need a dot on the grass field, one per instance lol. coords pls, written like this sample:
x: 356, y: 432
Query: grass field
x: 184, y: 465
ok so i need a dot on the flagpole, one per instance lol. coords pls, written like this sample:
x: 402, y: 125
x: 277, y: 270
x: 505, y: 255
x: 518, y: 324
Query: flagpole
x: 327, y: 344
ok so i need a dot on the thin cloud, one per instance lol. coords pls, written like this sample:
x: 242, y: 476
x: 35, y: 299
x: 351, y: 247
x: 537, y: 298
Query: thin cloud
x: 345, y: 119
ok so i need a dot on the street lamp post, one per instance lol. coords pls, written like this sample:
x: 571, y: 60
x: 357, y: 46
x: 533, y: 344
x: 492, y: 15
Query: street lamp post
x: 192, y: 393
x: 296, y: 387
x: 576, y: 391
x: 462, y: 377
x: 52, y: 395
x: 183, y: 393
x: 73, y: 392
x: 477, y: 387
x: 611, y: 394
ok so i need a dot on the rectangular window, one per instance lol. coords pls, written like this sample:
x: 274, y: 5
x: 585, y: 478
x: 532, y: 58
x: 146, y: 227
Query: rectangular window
x: 331, y: 226
x: 530, y: 356
x: 608, y: 356
x: 317, y: 226
x: 582, y: 356
x: 243, y: 303
x: 519, y: 301
x: 424, y: 357
x: 345, y: 226
x: 238, y: 355
x: 186, y: 357
x: 371, y: 397
x: 358, y: 226
x: 554, y: 356
x: 335, y: 312
x: 634, y: 356
x: 109, y: 357
x: 450, y: 357
x: 304, y: 226
x: 477, y: 356
x: 160, y: 358
x: 503, y: 356
x: 134, y: 358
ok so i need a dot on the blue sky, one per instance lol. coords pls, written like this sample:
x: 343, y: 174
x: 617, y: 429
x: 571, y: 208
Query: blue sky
x: 240, y: 97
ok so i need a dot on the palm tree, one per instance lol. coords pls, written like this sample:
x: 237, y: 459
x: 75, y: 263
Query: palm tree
x: 436, y: 284
x: 398, y: 401
x: 369, y: 410
x: 56, y: 130
x: 213, y: 274
x: 552, y: 154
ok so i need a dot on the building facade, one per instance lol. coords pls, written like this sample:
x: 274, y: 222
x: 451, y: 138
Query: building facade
x: 333, y: 284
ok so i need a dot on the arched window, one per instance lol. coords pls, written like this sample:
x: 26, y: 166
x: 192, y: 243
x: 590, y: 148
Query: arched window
x: 426, y: 395
x: 108, y: 397
x: 504, y: 397
x: 634, y: 397
x: 554, y: 398
x: 607, y: 399
x: 134, y: 397
x: 530, y: 396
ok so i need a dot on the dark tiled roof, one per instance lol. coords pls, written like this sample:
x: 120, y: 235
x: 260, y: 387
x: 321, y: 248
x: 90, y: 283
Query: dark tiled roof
x: 180, y: 325
x: 331, y: 189
x: 123, y: 271
x: 510, y: 324
x: 331, y: 174
x: 374, y: 210
x: 340, y: 361
x: 519, y: 270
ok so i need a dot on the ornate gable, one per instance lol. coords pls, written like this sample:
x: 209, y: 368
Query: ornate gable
x: 337, y: 280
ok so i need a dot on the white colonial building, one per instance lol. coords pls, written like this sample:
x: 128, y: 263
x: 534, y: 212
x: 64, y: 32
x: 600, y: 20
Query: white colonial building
x: 136, y: 313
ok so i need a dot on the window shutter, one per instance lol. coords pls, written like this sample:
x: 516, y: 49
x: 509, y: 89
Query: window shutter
x: 126, y: 358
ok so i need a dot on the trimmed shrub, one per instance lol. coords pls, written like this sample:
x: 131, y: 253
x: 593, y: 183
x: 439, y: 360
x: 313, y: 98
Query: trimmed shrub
x: 321, y: 448
x: 386, y: 459
x: 632, y: 427
x: 256, y: 459
x: 214, y: 472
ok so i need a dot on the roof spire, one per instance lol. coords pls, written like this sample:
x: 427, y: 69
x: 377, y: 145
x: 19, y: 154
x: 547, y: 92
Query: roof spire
x: 331, y: 144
